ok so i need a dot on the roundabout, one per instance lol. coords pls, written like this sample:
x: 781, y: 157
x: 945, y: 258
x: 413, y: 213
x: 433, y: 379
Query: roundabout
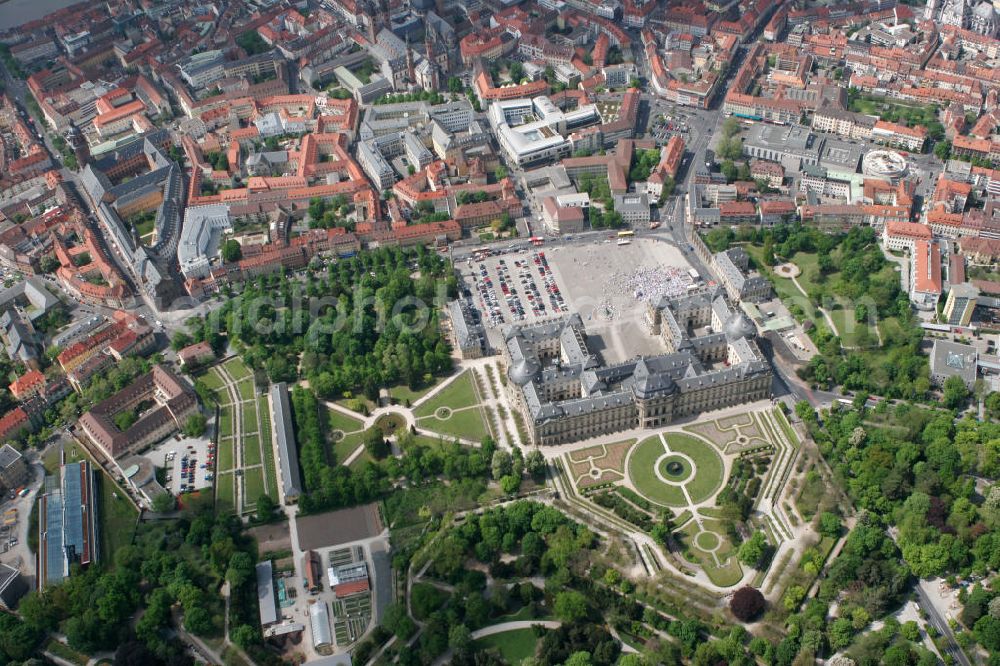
x: 675, y: 469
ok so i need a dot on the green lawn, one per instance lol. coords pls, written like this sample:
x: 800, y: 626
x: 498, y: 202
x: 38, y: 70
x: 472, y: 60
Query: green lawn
x: 246, y: 389
x: 226, y: 458
x: 340, y: 421
x: 343, y: 449
x: 459, y: 393
x: 811, y: 281
x: 808, y: 263
x: 251, y: 451
x: 249, y: 414
x: 225, y: 493
x: 361, y: 461
x: 849, y: 330
x: 708, y: 473
x: 117, y: 517
x: 145, y: 228
x: 402, y: 393
x: 253, y: 486
x: 721, y: 566
x: 212, y: 380
x: 784, y: 287
x: 514, y: 646
x: 237, y: 369
x: 357, y: 404
x: 523, y: 613
x: 786, y: 427
x: 467, y: 424
x: 225, y: 422
x: 641, y: 470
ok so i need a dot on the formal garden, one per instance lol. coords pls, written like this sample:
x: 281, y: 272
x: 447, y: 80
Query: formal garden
x: 675, y: 469
x: 692, y: 488
x: 455, y: 411
x: 245, y: 453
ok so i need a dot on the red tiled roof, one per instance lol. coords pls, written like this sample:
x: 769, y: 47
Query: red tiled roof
x: 26, y: 383
x: 353, y: 587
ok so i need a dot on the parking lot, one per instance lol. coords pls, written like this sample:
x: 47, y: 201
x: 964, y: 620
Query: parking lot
x: 189, y: 463
x: 514, y: 287
x: 663, y: 125
x: 15, y: 514
x: 608, y: 284
x: 8, y: 528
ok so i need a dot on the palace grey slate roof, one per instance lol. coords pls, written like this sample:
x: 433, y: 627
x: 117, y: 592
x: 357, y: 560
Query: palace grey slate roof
x: 608, y: 386
x: 291, y: 480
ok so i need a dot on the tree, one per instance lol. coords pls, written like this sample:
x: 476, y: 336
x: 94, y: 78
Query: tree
x: 425, y: 599
x: 730, y: 148
x: 48, y: 264
x: 910, y: 631
x: 747, y: 603
x: 793, y: 597
x: 942, y: 150
x: 987, y: 632
x: 251, y: 42
x: 768, y: 256
x: 244, y: 635
x: 501, y: 464
x: 581, y: 658
x: 459, y: 638
x: 535, y: 464
x: 17, y: 640
x: 516, y: 71
x: 752, y: 551
x: 398, y: 622
x: 840, y: 633
x: 180, y: 340
x: 955, y: 392
x: 266, y: 508
x: 240, y: 569
x: 375, y: 443
x: 134, y: 653
x: 232, y: 251
x: 729, y: 170
x: 829, y: 524
x: 570, y: 606
x: 510, y: 484
x: 164, y: 502
x: 198, y: 621
x: 195, y: 425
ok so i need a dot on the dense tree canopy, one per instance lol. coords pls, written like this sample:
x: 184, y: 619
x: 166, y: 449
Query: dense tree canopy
x: 357, y: 325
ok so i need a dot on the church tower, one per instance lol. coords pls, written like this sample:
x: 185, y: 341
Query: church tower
x: 431, y: 61
x: 410, y: 72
